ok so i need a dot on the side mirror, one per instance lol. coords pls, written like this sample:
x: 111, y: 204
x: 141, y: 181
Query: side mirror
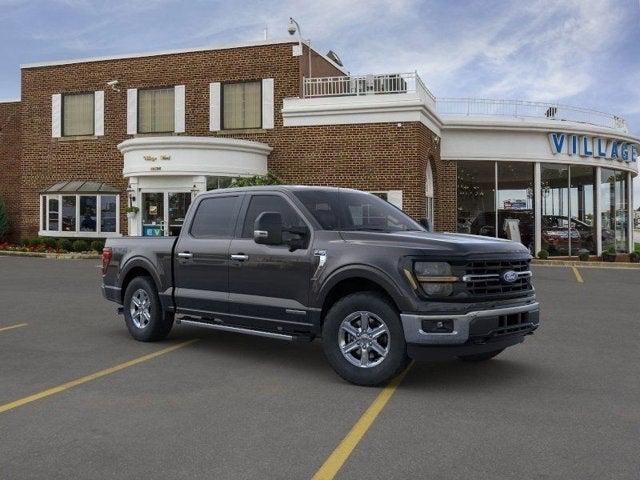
x: 267, y: 229
x: 426, y: 224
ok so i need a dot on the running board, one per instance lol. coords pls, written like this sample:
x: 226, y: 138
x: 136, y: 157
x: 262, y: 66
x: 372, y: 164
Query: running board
x: 246, y: 331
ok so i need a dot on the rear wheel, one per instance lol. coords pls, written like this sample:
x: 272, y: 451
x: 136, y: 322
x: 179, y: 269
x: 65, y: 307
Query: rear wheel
x: 143, y: 313
x: 481, y: 357
x: 363, y: 339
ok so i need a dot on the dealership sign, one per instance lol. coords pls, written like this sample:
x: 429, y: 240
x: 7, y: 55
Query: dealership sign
x: 596, y: 147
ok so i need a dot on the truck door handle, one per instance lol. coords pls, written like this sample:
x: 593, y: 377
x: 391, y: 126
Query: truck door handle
x: 240, y: 257
x: 185, y: 255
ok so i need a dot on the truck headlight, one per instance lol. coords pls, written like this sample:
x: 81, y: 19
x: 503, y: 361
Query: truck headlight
x: 435, y: 278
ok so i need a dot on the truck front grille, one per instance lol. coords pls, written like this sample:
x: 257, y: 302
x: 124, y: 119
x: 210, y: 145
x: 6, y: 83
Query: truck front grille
x: 484, y: 278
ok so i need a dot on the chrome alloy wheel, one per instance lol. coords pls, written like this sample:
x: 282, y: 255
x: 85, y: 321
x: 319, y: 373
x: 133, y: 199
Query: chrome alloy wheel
x: 140, y: 308
x: 364, y: 339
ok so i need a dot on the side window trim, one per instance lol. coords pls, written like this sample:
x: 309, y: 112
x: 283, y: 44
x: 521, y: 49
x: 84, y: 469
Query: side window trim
x: 193, y: 215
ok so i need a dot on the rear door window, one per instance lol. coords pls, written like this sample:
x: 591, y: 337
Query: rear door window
x: 215, y: 217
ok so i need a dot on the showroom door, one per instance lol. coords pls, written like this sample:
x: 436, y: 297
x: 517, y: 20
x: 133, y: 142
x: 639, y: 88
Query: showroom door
x: 163, y: 213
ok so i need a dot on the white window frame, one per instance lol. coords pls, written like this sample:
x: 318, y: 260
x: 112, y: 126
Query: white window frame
x: 44, y: 220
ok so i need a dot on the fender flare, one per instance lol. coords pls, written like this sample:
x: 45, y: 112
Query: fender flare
x: 139, y: 262
x: 370, y: 273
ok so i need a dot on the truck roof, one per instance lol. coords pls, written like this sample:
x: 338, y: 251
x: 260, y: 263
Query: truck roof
x: 278, y: 188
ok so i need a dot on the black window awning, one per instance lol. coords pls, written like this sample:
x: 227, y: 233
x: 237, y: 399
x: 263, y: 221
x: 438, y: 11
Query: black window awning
x: 81, y: 186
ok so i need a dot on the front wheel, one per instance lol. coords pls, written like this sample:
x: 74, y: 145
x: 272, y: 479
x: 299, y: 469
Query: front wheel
x: 363, y: 339
x: 481, y: 357
x: 143, y: 313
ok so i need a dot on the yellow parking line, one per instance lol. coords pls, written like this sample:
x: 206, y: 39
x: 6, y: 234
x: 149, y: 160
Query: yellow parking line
x: 11, y: 327
x: 577, y: 274
x: 94, y: 376
x: 334, y: 463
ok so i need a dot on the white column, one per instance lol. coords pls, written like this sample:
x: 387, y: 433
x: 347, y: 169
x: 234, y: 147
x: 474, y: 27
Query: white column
x: 134, y: 224
x: 630, y: 244
x: 537, y: 207
x: 598, y: 218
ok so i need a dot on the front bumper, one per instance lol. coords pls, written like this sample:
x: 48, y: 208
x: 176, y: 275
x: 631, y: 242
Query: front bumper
x: 479, y: 326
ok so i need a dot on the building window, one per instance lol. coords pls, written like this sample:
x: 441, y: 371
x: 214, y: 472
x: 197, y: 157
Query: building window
x: 516, y: 203
x: 78, y: 114
x: 79, y: 216
x: 614, y: 211
x: 477, y: 198
x: 241, y: 105
x: 156, y: 110
x: 215, y: 182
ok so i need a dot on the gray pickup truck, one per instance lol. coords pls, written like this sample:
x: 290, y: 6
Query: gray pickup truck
x: 295, y: 263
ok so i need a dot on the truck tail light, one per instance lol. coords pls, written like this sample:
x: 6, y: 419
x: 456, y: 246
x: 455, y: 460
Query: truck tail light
x: 107, y: 253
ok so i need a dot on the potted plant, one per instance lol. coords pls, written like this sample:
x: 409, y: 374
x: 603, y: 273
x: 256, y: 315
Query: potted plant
x: 132, y: 212
x: 583, y: 254
x: 609, y: 255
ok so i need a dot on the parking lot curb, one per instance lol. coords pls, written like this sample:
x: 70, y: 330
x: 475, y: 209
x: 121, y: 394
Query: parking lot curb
x: 571, y: 263
x: 57, y: 256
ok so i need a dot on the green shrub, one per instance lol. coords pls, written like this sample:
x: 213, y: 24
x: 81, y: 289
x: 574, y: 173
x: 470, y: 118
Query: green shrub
x: 80, y: 246
x: 97, y: 245
x: 65, y: 244
x: 268, y: 179
x: 543, y: 254
x: 26, y: 242
x: 583, y: 254
x: 49, y: 242
x: 634, y: 257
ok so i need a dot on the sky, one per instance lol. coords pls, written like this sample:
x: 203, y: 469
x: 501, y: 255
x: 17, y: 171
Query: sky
x: 577, y: 52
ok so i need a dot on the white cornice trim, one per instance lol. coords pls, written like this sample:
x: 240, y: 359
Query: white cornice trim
x: 9, y: 100
x: 177, y: 52
x: 522, y: 125
x: 200, y: 143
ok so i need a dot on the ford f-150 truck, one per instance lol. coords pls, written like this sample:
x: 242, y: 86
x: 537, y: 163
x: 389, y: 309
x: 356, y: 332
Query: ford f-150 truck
x: 295, y: 263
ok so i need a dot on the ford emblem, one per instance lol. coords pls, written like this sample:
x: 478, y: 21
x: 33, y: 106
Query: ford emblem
x: 510, y: 276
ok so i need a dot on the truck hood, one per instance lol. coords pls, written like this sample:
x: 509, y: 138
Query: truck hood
x: 437, y: 244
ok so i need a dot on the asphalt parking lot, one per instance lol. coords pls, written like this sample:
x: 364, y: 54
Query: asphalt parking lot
x: 565, y: 404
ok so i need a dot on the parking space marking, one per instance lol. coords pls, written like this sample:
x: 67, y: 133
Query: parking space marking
x: 333, y: 464
x: 94, y: 376
x: 11, y: 327
x: 577, y: 274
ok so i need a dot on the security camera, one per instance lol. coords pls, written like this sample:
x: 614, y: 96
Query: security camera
x: 113, y: 84
x: 292, y: 27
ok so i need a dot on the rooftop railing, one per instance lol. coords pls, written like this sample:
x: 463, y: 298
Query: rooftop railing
x: 356, y: 85
x: 526, y: 109
x: 400, y: 83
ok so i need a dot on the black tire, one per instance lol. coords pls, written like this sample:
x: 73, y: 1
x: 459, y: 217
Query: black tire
x: 395, y: 359
x: 481, y: 357
x: 158, y: 324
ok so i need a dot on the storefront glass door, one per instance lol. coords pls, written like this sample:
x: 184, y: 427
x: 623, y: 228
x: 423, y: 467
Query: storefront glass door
x: 163, y: 213
x: 153, y: 221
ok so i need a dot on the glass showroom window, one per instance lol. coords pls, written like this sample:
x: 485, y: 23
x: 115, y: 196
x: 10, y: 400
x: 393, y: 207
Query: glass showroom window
x: 613, y: 207
x: 582, y: 196
x: 79, y: 215
x: 78, y: 114
x: 555, y: 208
x: 516, y: 220
x: 477, y: 198
x: 241, y: 105
x: 156, y: 110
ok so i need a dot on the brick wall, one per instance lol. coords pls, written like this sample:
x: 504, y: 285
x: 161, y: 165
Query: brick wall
x: 366, y: 156
x: 9, y: 160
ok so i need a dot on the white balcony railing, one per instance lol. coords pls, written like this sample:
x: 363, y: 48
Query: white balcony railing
x: 526, y: 109
x: 356, y: 85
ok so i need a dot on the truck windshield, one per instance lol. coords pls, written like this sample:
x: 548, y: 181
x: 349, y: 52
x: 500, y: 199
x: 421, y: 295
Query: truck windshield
x: 349, y: 210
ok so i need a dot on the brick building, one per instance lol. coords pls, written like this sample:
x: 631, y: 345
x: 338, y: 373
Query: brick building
x: 90, y: 137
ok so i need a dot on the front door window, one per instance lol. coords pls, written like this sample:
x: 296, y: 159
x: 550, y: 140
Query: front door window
x: 163, y: 213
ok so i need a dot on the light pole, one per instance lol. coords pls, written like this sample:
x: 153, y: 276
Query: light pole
x: 292, y: 29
